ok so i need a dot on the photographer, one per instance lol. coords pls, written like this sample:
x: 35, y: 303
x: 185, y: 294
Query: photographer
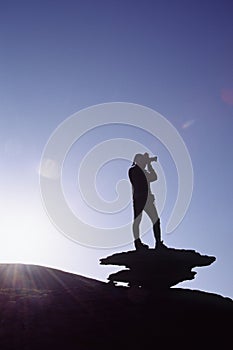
x: 141, y: 174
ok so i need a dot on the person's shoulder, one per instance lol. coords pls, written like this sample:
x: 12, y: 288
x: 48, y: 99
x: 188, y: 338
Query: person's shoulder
x: 135, y: 170
x: 131, y: 169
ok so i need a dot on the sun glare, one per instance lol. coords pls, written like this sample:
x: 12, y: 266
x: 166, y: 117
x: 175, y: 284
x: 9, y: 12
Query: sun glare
x: 22, y: 234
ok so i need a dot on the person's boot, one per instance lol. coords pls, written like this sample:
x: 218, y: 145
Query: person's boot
x: 139, y: 245
x: 160, y: 245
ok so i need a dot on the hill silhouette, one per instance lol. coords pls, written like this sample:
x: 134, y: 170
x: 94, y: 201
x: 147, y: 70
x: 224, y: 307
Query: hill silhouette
x: 44, y: 308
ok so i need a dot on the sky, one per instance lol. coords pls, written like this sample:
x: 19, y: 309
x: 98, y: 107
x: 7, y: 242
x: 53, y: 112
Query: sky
x: 59, y: 57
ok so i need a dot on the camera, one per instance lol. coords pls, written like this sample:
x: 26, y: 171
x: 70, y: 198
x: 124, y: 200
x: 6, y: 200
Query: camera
x: 153, y: 159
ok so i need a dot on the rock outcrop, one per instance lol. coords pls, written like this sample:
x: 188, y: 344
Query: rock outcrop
x: 157, y: 269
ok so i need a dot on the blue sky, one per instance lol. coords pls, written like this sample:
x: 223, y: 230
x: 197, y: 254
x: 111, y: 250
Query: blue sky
x: 176, y: 57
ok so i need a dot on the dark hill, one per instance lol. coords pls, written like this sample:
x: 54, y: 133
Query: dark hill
x: 43, y: 308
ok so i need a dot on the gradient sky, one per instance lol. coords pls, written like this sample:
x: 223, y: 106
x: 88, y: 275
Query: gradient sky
x: 176, y: 57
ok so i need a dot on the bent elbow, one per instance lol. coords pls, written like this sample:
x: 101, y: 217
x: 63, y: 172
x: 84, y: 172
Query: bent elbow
x: 153, y: 178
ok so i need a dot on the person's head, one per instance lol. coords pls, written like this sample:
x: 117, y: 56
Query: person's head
x: 140, y: 160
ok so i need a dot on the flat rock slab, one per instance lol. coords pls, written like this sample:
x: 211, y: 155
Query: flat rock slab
x: 156, y: 267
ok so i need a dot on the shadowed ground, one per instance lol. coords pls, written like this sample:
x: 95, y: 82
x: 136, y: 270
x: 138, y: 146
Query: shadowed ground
x: 43, y: 308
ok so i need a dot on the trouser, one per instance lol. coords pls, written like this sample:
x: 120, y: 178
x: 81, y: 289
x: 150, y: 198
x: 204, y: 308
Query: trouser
x: 141, y: 204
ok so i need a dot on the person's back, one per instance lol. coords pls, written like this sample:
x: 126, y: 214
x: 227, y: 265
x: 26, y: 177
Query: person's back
x: 139, y: 181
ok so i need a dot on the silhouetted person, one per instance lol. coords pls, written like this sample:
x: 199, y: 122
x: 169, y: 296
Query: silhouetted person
x: 143, y: 199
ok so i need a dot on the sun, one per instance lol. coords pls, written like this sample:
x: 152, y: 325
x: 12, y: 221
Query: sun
x: 23, y: 232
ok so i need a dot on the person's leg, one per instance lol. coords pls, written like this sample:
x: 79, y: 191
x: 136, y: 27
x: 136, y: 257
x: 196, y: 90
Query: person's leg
x: 138, y: 208
x: 136, y: 224
x: 151, y: 211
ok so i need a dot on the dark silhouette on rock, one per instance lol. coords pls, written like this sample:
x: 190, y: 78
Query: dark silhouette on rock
x: 141, y: 174
x: 44, y: 308
x: 156, y: 269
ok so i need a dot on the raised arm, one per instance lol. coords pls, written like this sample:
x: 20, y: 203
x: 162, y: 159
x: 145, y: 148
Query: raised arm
x: 150, y: 173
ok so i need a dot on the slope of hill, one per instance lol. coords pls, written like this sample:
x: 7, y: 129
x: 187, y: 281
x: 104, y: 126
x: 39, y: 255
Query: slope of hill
x: 44, y: 308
